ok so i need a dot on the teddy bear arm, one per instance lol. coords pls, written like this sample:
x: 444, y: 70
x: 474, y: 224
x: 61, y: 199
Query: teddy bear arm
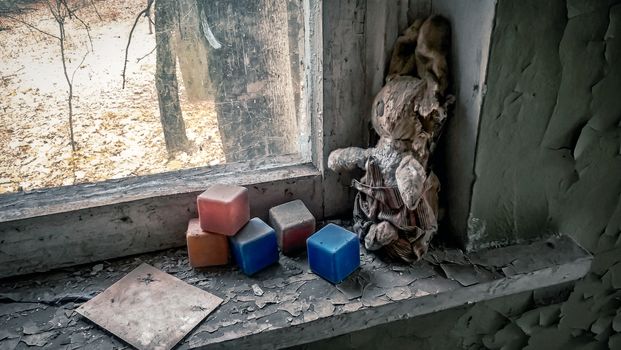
x: 348, y: 158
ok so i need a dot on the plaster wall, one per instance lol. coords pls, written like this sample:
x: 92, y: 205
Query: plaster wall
x: 548, y: 156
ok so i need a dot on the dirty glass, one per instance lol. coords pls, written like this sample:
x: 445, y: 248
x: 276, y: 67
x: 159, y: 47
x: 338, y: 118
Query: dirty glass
x: 92, y: 90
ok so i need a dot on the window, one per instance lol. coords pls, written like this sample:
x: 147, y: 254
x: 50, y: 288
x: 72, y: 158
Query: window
x: 100, y: 90
x: 131, y: 213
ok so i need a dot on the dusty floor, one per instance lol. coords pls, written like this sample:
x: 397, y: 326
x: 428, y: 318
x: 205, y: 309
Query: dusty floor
x: 118, y: 132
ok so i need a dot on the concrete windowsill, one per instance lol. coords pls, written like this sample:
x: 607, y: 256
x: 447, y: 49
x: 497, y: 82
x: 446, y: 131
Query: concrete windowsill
x: 296, y: 306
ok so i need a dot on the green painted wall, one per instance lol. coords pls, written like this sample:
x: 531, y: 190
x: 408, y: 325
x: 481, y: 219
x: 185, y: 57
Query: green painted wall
x: 549, y: 156
x: 548, y: 160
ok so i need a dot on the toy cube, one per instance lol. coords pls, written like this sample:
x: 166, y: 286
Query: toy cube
x: 223, y: 209
x: 204, y: 248
x: 293, y: 224
x: 333, y: 253
x: 254, y: 246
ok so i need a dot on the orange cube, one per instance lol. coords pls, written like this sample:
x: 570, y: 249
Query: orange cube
x: 205, y: 248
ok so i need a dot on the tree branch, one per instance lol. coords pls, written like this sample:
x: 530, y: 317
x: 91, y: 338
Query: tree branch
x: 71, y: 13
x: 95, y: 8
x: 30, y: 26
x: 79, y: 65
x: 60, y: 16
x: 129, y: 39
x: 143, y: 57
x: 61, y: 29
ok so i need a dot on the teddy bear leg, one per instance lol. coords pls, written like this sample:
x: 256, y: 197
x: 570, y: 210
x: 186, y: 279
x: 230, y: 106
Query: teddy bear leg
x: 422, y: 244
x: 380, y: 235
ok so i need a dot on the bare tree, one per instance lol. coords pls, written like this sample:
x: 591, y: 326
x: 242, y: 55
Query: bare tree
x: 61, y: 11
x: 171, y: 117
x: 252, y: 76
x: 146, y: 12
x: 192, y: 51
x: 166, y: 78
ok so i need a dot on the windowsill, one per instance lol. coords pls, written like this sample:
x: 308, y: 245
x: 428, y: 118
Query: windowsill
x: 61, y: 227
x: 36, y: 203
x: 297, y: 306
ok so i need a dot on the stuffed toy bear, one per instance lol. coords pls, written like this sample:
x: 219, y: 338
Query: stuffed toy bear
x: 396, y: 207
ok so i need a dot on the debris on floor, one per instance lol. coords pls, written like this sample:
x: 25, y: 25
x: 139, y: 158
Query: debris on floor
x: 282, y: 296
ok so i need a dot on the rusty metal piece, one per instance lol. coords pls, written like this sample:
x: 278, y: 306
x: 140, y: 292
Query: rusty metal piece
x: 149, y: 308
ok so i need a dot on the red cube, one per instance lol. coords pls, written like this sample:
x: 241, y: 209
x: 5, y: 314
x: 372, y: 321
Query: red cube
x: 204, y: 248
x: 223, y: 209
x: 293, y: 224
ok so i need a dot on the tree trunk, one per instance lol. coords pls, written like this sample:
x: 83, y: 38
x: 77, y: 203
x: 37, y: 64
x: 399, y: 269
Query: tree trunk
x: 192, y: 52
x: 251, y: 74
x: 296, y: 52
x: 166, y: 79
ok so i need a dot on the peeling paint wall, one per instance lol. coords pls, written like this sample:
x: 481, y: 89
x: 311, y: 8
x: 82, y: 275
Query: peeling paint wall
x: 549, y: 155
x: 548, y: 160
x: 343, y: 67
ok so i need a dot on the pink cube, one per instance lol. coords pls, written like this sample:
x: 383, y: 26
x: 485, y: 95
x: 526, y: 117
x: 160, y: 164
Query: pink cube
x: 293, y: 224
x: 223, y: 209
x: 204, y: 248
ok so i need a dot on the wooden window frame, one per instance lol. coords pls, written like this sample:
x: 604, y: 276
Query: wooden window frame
x: 51, y: 228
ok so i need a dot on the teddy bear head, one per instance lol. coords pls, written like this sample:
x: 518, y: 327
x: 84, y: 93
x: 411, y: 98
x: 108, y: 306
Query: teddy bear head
x: 394, y: 109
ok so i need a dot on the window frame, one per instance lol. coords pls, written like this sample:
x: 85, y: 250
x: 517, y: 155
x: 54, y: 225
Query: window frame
x: 62, y: 226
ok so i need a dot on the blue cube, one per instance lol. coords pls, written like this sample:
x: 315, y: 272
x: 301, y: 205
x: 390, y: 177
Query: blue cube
x: 333, y: 253
x: 254, y: 246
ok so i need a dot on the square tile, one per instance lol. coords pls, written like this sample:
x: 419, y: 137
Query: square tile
x: 149, y: 308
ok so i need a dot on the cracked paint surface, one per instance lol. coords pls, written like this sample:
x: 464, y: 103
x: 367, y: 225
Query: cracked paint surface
x: 549, y: 156
x: 285, y: 299
x: 549, y: 148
